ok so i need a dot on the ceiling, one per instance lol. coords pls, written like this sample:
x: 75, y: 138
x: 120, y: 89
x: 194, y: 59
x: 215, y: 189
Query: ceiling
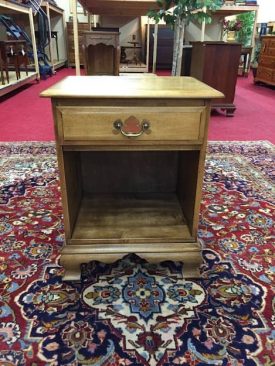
x: 119, y: 7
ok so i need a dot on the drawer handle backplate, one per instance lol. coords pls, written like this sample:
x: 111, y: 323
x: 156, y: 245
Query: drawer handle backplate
x: 132, y: 127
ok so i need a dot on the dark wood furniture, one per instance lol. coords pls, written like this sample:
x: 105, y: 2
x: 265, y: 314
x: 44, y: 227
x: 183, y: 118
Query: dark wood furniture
x: 164, y: 46
x: 266, y: 67
x: 2, y: 69
x: 101, y: 52
x: 13, y: 55
x: 216, y: 64
x: 131, y: 155
x: 245, y: 60
x: 82, y: 27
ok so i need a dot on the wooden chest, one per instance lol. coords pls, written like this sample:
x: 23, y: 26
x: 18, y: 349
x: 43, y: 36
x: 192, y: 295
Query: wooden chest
x: 131, y: 155
x: 266, y: 68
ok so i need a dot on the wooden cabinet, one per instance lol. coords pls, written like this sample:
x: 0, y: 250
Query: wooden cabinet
x: 82, y: 27
x: 216, y: 64
x: 10, y: 79
x: 131, y: 154
x: 164, y: 46
x: 266, y: 68
x: 101, y: 52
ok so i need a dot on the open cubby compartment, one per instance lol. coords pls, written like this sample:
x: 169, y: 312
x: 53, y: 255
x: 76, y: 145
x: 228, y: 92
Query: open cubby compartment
x: 131, y: 196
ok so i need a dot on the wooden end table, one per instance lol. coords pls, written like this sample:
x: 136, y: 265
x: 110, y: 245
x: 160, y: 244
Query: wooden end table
x: 131, y: 155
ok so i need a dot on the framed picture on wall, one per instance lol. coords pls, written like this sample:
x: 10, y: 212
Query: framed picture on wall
x: 79, y: 7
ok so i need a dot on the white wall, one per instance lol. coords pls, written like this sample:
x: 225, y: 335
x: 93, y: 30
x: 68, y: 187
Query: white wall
x: 266, y: 11
x: 65, y: 4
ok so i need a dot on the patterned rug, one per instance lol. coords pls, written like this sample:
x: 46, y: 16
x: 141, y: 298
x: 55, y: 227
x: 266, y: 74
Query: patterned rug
x: 132, y: 312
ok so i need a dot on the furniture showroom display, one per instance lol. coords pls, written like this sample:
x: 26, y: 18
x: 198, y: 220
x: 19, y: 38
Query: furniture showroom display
x: 82, y: 27
x: 13, y: 55
x: 165, y: 39
x: 101, y: 52
x: 217, y: 64
x: 266, y: 67
x: 131, y: 154
x: 11, y: 76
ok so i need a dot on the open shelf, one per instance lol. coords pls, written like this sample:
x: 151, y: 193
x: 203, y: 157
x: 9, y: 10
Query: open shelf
x: 142, y: 200
x: 133, y: 67
x: 127, y: 218
x: 228, y: 10
x: 14, y: 83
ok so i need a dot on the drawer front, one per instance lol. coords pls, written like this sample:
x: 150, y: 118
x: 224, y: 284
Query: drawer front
x: 140, y: 124
x: 264, y: 73
x: 267, y: 61
x: 271, y: 51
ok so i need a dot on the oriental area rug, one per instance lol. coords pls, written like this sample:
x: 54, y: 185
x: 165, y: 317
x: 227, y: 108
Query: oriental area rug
x: 131, y: 312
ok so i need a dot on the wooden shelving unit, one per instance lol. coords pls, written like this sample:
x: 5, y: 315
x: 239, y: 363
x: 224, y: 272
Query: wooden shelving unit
x: 9, y: 8
x: 229, y: 10
x: 112, y: 7
x: 57, y: 51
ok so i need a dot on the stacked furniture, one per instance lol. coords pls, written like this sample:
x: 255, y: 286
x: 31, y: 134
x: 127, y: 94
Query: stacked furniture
x: 57, y: 50
x: 13, y: 80
x: 82, y: 27
x: 266, y: 68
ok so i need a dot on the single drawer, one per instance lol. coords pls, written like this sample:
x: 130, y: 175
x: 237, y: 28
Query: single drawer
x: 271, y: 51
x: 267, y: 61
x: 264, y: 73
x: 118, y: 124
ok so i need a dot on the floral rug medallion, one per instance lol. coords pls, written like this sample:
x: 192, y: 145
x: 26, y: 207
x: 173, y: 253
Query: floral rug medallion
x: 144, y: 303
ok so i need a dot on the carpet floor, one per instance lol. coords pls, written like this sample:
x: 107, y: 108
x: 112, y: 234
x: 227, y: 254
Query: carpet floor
x: 131, y: 312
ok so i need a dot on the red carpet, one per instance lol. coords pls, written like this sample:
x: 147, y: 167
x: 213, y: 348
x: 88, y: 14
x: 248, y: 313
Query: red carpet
x: 27, y: 117
x: 254, y: 117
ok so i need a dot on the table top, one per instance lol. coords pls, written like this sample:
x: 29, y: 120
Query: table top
x: 167, y: 87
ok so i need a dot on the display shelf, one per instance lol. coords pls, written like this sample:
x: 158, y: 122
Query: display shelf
x: 112, y: 8
x: 10, y: 8
x: 131, y: 218
x: 57, y: 50
x: 228, y: 10
x: 119, y: 7
x: 141, y: 67
x: 15, y: 84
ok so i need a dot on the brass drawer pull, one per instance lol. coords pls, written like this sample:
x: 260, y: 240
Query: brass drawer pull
x: 132, y: 127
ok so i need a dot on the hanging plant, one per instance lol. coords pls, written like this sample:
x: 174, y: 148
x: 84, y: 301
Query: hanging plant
x: 178, y: 14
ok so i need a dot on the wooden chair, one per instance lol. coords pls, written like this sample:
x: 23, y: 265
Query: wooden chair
x: 4, y: 63
x: 13, y: 54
